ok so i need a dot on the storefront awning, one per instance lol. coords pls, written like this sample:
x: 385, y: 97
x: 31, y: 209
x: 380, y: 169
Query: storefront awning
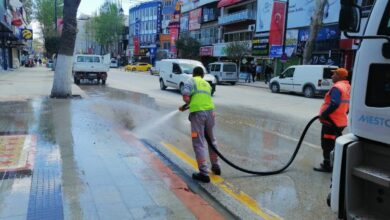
x: 224, y: 3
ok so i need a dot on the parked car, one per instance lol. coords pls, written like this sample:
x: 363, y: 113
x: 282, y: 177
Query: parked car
x: 310, y: 80
x: 224, y: 72
x: 175, y: 72
x: 114, y: 63
x: 138, y: 67
x: 90, y: 67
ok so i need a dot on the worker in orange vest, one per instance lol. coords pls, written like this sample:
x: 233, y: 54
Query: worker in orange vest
x: 333, y: 115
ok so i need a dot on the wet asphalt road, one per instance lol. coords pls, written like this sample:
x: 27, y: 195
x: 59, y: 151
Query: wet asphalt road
x: 254, y: 136
x: 79, y: 140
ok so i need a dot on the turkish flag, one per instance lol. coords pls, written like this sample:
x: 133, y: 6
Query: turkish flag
x: 276, y: 32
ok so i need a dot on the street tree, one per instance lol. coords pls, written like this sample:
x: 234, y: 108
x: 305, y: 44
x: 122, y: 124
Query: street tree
x: 316, y: 24
x: 44, y: 13
x: 107, y: 27
x: 188, y: 47
x: 237, y: 50
x: 61, y: 83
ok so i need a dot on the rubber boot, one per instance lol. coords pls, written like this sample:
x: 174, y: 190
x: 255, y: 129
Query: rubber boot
x: 324, y: 167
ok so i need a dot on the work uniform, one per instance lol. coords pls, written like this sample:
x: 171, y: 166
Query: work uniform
x: 202, y: 120
x: 333, y: 114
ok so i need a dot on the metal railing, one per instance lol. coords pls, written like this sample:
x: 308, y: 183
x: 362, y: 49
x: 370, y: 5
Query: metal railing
x: 237, y: 16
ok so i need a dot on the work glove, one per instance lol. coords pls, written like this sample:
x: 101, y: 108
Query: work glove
x: 183, y: 107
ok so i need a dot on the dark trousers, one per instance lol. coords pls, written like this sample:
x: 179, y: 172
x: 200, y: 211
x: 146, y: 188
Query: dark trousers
x: 329, y: 134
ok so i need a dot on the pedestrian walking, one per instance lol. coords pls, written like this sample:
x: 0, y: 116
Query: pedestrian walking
x: 259, y: 70
x: 333, y: 115
x: 268, y: 73
x: 253, y: 72
x: 40, y: 61
x: 197, y: 97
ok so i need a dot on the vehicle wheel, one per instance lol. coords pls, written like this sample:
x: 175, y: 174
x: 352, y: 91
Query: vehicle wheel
x: 233, y: 83
x: 274, y: 87
x: 308, y: 91
x: 98, y: 81
x: 134, y: 69
x: 162, y: 85
x: 103, y: 82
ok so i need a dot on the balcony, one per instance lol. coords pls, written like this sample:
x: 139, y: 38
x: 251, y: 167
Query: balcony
x: 236, y: 17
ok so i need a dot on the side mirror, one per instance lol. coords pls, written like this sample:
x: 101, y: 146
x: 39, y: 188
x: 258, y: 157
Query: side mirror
x: 349, y: 19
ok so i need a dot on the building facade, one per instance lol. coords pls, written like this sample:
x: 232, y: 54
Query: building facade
x: 12, y: 41
x: 144, y: 30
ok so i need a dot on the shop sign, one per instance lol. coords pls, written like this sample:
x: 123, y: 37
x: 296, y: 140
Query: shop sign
x: 195, y: 19
x: 325, y: 59
x: 159, y: 18
x: 260, y: 46
x: 325, y: 33
x: 27, y: 34
x: 276, y: 51
x: 184, y: 23
x: 299, y: 13
x: 206, y: 51
x: 219, y: 50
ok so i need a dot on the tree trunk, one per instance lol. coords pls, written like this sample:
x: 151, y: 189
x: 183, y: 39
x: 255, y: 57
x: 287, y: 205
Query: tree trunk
x: 61, y: 83
x: 316, y: 24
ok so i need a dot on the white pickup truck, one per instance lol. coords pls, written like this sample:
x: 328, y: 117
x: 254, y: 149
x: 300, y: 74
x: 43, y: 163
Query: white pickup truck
x: 90, y: 67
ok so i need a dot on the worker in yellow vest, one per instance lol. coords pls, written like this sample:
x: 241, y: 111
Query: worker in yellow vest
x: 333, y: 115
x: 197, y: 95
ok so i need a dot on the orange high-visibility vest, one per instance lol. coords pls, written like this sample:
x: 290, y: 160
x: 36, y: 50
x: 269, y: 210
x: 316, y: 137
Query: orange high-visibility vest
x: 339, y: 116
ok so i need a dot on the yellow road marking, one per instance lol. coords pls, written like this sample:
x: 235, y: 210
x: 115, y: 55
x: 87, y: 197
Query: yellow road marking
x: 225, y: 186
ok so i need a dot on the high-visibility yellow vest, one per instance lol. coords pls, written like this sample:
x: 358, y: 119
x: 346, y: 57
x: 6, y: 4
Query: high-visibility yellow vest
x: 201, y: 96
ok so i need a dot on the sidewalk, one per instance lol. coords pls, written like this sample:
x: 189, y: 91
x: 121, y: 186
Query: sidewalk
x: 257, y: 84
x: 84, y: 164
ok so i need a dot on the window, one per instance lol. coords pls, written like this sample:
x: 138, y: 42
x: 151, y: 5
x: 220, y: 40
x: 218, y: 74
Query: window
x: 80, y: 59
x: 385, y: 23
x: 378, y: 86
x: 217, y: 68
x: 176, y: 68
x: 96, y: 59
x: 211, y: 67
x: 229, y: 68
x: 289, y: 73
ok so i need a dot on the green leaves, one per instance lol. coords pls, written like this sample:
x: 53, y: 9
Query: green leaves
x: 188, y: 47
x: 237, y: 50
x: 44, y: 13
x: 107, y: 27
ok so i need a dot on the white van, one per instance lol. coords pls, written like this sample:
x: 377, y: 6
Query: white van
x: 224, y: 72
x: 309, y: 80
x: 175, y: 72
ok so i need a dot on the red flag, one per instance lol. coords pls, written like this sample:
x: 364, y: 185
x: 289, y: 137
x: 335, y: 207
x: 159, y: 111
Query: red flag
x: 174, y: 34
x: 276, y: 32
x: 136, y: 45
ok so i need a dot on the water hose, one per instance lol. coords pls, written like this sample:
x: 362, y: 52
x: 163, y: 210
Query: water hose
x: 266, y: 173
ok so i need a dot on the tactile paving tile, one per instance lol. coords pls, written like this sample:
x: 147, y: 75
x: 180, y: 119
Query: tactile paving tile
x: 46, y: 195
